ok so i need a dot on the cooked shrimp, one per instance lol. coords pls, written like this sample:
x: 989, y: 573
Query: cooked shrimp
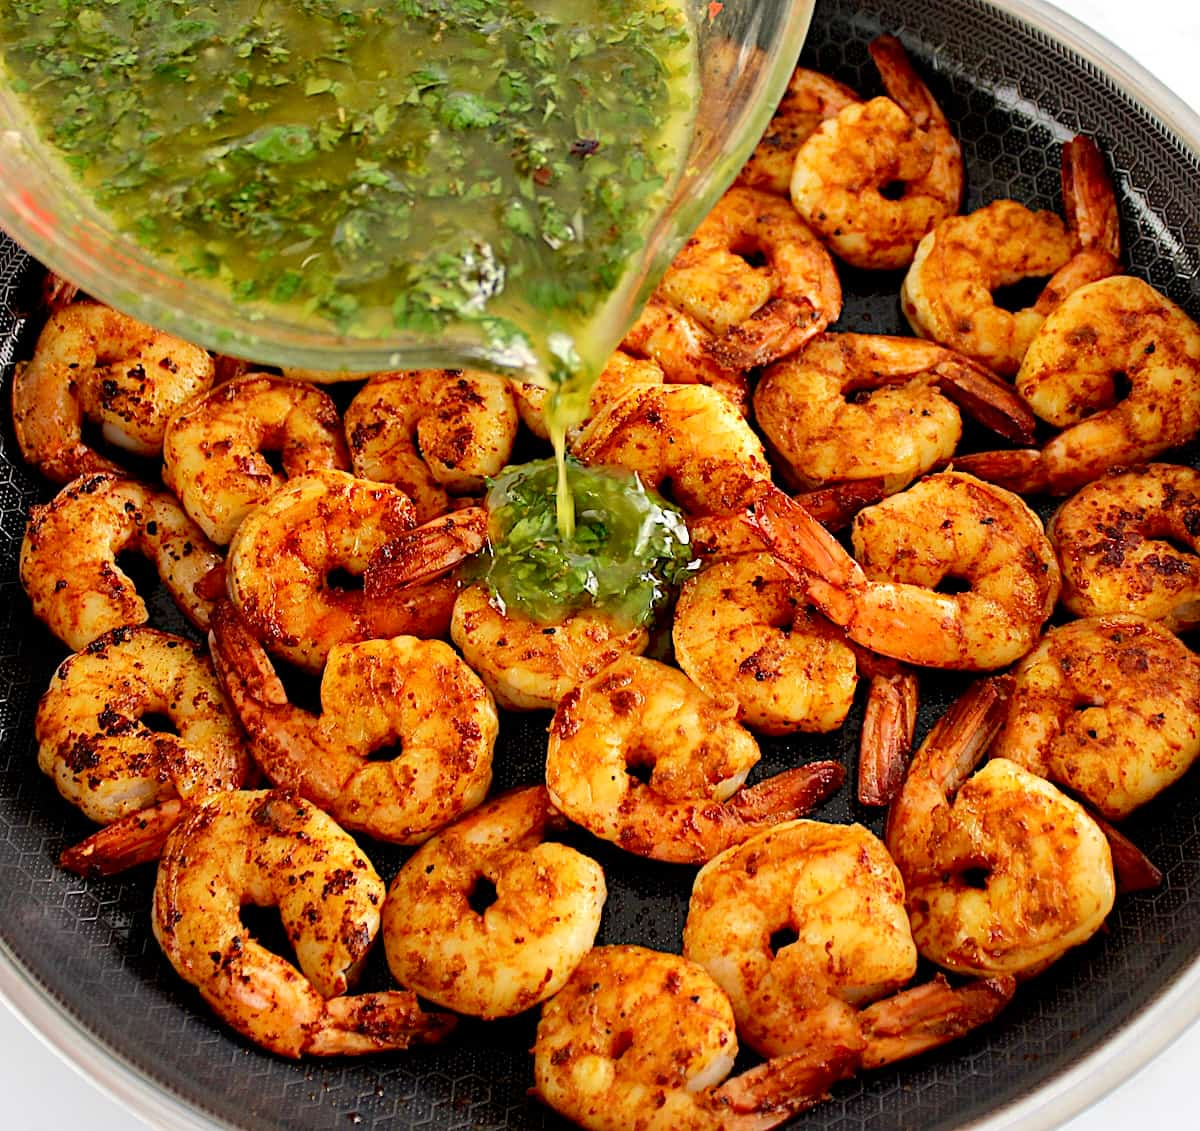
x: 288, y: 554
x: 521, y: 947
x: 1108, y: 707
x: 69, y: 557
x: 323, y: 376
x: 1120, y: 542
x: 889, y: 601
x: 93, y: 362
x: 1117, y: 367
x: 686, y: 440
x: 844, y: 174
x: 802, y: 927
x: 742, y: 629
x: 376, y: 695
x: 272, y: 849
x: 638, y: 713
x: 529, y: 666
x: 948, y: 293
x: 810, y: 99
x: 865, y: 406
x: 432, y: 432
x: 1004, y: 873
x: 102, y: 756
x: 639, y: 1040
x: 213, y: 450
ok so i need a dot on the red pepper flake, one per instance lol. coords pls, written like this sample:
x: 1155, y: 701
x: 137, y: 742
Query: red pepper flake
x: 714, y: 10
x: 544, y: 175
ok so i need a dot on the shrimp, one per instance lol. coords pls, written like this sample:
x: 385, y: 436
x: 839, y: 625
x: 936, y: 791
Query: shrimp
x: 844, y: 174
x: 862, y: 406
x: 1121, y: 542
x: 810, y: 99
x: 805, y: 925
x: 69, y: 557
x: 1117, y: 367
x: 273, y: 849
x: 1004, y: 873
x: 638, y: 713
x: 529, y: 666
x: 375, y: 696
x: 518, y: 949
x: 213, y: 451
x: 639, y: 1040
x: 432, y: 432
x: 740, y: 629
x: 288, y: 554
x: 986, y: 539
x: 1108, y: 707
x: 94, y: 362
x: 947, y: 294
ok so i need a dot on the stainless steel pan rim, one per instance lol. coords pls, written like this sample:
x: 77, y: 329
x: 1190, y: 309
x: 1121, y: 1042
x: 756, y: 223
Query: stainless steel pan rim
x: 1162, y: 1020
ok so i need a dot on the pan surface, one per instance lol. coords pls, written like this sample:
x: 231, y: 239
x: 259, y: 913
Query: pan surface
x: 80, y: 956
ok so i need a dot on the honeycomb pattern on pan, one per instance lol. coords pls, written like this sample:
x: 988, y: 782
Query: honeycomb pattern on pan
x: 1014, y: 96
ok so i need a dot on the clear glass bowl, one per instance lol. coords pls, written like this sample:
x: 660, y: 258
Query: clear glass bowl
x: 747, y: 51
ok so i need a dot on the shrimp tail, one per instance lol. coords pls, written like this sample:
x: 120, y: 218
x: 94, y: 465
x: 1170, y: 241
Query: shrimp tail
x: 835, y: 506
x: 1133, y: 869
x: 426, y: 552
x: 900, y: 79
x: 779, y: 327
x: 988, y: 399
x: 1022, y: 471
x: 135, y: 839
x: 774, y: 1091
x: 366, y: 1023
x: 929, y: 1016
x: 1088, y: 197
x: 788, y: 795
x: 887, y: 735
x: 240, y: 662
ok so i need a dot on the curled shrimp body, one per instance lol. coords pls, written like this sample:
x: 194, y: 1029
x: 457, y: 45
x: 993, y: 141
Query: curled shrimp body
x: 1108, y: 707
x: 287, y: 553
x: 521, y: 948
x: 1120, y: 544
x: 375, y: 695
x: 109, y: 763
x: 639, y: 1040
x: 69, y: 557
x: 841, y: 171
x: 432, y: 432
x: 947, y: 294
x: 530, y: 666
x: 213, y: 451
x: 273, y: 849
x: 638, y: 712
x: 888, y: 600
x: 741, y: 629
x: 94, y: 362
x: 863, y: 406
x: 1003, y: 872
x: 689, y: 435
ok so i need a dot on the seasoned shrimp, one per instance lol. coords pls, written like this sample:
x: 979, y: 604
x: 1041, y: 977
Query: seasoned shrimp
x: 1108, y: 707
x: 889, y: 600
x: 93, y: 362
x: 810, y: 99
x: 376, y: 695
x: 69, y: 557
x: 741, y: 629
x: 844, y: 174
x: 1120, y: 544
x: 213, y: 450
x: 288, y: 554
x: 1004, y: 873
x: 272, y: 849
x: 865, y: 406
x: 947, y: 294
x: 639, y: 1040
x: 432, y: 432
x: 521, y: 947
x: 638, y: 713
x: 802, y: 927
x: 530, y: 666
x: 1117, y: 367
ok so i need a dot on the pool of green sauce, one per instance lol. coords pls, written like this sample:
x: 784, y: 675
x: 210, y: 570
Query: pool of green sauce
x: 375, y: 165
x: 629, y: 552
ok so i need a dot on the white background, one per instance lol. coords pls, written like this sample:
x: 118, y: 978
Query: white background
x: 40, y: 1093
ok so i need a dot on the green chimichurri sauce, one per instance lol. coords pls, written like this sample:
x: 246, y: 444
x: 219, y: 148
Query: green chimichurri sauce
x: 630, y: 548
x: 379, y: 165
